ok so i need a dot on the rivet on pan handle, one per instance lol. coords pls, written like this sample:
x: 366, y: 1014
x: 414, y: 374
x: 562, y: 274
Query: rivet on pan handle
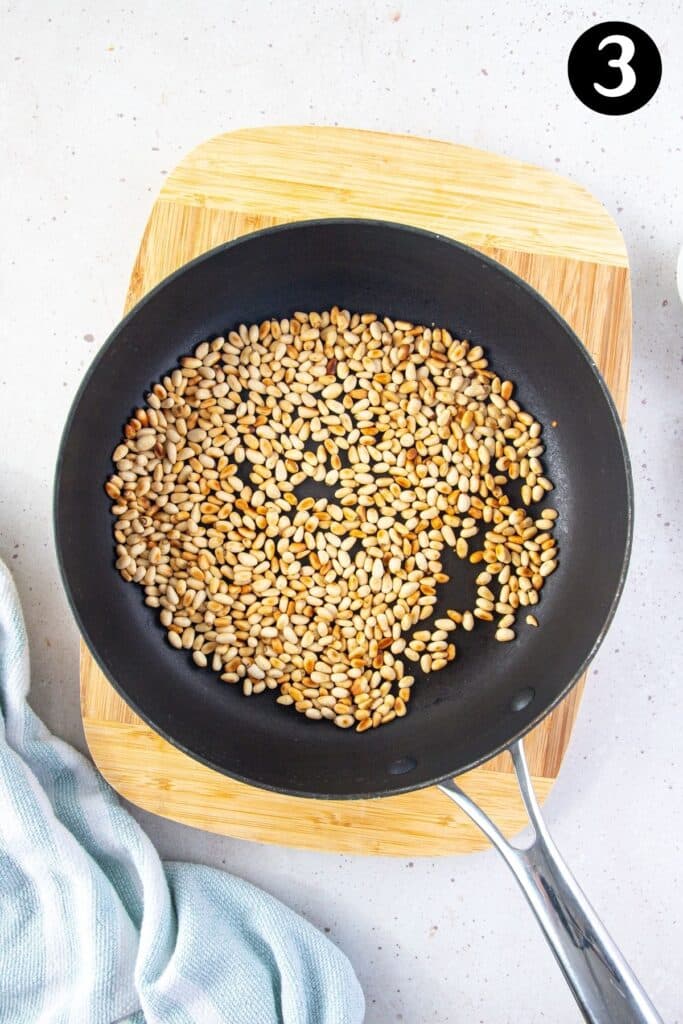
x: 603, y: 984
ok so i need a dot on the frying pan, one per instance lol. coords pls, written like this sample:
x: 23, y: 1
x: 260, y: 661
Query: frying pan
x: 460, y: 717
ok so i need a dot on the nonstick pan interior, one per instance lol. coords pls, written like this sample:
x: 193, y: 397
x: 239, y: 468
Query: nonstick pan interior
x: 493, y: 692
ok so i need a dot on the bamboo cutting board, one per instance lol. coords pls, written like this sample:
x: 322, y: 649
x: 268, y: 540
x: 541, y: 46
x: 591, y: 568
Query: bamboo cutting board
x: 549, y: 231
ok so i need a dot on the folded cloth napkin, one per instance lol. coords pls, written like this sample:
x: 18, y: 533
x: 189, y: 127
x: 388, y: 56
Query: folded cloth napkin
x: 95, y: 929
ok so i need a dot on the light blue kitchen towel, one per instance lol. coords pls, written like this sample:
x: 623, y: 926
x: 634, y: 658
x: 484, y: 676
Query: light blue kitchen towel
x: 95, y: 929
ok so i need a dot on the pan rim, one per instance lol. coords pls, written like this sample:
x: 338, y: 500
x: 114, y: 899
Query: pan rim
x: 492, y: 264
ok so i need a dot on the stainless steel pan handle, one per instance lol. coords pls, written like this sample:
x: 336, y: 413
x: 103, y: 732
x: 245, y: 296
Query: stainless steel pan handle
x: 603, y: 984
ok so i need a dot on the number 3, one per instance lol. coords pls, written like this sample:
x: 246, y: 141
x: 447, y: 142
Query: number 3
x: 622, y: 62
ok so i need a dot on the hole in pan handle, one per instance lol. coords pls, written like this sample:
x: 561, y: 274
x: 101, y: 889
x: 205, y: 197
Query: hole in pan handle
x: 601, y: 981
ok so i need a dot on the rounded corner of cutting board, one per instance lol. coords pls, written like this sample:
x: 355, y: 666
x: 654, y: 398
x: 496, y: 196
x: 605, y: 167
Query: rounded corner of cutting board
x: 160, y: 779
x: 272, y: 169
x: 207, y: 200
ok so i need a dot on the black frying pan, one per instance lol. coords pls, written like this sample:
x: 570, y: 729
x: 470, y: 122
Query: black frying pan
x: 495, y: 692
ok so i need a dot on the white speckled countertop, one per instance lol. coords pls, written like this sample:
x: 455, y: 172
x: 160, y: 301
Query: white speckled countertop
x: 97, y: 103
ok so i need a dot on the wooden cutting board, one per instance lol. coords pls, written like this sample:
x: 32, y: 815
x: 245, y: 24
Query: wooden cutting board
x: 548, y: 230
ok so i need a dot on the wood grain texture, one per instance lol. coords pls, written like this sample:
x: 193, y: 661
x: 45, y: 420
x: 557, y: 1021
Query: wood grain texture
x: 478, y: 197
x: 546, y: 229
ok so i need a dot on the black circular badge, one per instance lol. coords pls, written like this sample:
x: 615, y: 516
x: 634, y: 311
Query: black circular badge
x: 614, y: 68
